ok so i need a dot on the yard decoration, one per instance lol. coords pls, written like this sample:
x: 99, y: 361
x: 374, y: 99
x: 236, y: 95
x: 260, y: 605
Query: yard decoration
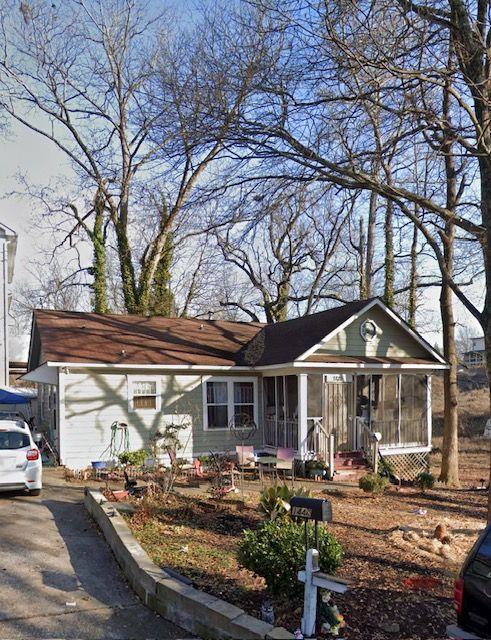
x: 330, y: 619
x: 119, y: 442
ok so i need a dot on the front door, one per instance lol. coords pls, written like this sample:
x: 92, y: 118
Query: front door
x: 338, y: 413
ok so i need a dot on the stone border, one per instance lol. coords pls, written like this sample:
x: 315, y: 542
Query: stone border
x: 191, y: 609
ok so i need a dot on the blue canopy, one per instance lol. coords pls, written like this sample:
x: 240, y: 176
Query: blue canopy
x: 9, y: 396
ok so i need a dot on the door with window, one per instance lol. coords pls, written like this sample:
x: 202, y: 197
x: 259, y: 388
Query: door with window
x: 338, y: 413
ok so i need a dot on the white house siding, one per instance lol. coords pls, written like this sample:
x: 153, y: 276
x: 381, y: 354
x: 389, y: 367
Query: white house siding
x: 94, y: 400
x: 391, y: 341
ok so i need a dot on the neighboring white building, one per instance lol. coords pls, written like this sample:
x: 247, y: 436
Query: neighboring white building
x: 476, y: 356
x: 8, y: 247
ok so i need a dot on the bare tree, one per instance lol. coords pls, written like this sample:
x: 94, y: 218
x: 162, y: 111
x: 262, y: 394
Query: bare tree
x: 286, y: 244
x: 132, y: 100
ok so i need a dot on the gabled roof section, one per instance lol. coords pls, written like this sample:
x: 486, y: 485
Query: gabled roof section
x: 67, y: 336
x: 377, y: 307
x: 287, y: 341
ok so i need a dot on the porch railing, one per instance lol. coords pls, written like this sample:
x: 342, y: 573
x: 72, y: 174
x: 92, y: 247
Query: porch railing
x: 281, y: 433
x: 317, y: 437
x: 408, y: 432
x: 369, y: 443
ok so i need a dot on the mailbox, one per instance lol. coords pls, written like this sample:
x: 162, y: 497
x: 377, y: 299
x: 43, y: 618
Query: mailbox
x: 311, y: 509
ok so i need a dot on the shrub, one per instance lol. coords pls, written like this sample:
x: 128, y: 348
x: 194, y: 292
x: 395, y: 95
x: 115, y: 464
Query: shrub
x: 373, y: 483
x: 274, y: 502
x: 425, y: 480
x: 133, y: 458
x: 276, y: 552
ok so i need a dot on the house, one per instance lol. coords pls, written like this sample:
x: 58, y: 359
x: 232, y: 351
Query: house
x: 321, y: 384
x: 8, y: 247
x: 476, y: 356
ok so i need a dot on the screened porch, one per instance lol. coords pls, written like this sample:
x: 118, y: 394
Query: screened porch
x: 338, y: 409
x: 281, y: 411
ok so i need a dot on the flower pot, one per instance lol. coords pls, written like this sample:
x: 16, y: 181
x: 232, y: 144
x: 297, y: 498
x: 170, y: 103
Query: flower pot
x: 98, y: 464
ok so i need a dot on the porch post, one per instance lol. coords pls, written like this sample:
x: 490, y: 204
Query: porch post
x: 302, y: 415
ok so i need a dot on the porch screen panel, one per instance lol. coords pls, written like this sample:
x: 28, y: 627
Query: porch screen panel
x: 414, y: 411
x: 291, y: 419
x: 314, y: 396
x: 385, y: 408
x: 269, y: 387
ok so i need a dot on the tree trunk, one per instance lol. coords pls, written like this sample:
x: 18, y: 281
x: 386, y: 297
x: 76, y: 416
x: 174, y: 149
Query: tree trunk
x: 361, y: 254
x: 162, y: 299
x: 126, y: 268
x: 449, y: 472
x: 389, y: 255
x: 99, y: 267
x: 370, y: 249
x: 485, y: 173
x: 413, y: 280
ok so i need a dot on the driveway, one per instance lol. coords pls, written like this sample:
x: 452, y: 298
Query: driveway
x: 58, y: 578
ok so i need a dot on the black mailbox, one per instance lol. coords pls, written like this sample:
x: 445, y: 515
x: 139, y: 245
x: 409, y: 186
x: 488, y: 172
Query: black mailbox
x: 311, y: 509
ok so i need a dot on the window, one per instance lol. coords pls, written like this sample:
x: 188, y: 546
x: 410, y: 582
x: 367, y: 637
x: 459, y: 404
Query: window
x: 244, y: 401
x: 13, y: 440
x: 226, y: 399
x: 217, y: 405
x: 144, y: 394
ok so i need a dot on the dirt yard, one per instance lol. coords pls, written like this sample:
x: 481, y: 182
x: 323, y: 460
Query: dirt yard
x: 401, y: 578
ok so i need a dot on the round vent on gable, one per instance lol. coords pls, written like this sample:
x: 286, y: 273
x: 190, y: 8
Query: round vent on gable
x: 368, y: 330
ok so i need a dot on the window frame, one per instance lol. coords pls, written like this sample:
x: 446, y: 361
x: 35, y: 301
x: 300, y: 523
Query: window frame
x: 158, y: 394
x: 230, y: 380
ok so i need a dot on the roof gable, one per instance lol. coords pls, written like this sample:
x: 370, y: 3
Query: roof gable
x: 394, y: 338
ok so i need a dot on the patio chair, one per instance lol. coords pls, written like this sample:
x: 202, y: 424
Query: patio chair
x: 286, y: 462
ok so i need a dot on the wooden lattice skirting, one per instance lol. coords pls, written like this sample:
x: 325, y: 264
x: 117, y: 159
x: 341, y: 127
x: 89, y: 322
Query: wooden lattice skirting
x: 407, y: 466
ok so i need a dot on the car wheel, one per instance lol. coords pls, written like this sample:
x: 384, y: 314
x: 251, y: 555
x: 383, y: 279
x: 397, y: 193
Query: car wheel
x: 35, y: 492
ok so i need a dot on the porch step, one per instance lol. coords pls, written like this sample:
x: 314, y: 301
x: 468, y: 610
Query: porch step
x: 348, y: 475
x: 349, y: 466
x: 348, y: 454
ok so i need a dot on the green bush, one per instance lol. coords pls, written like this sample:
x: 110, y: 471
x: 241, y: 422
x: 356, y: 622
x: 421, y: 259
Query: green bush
x: 133, y: 458
x: 425, y: 480
x: 373, y: 483
x: 276, y: 552
x: 274, y: 502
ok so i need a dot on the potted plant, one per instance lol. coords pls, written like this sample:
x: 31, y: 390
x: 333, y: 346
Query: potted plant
x: 316, y: 468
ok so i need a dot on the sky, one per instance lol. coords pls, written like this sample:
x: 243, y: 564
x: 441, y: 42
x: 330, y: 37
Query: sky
x: 23, y: 151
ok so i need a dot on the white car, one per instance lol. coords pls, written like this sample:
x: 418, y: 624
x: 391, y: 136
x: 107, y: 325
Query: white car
x: 20, y: 460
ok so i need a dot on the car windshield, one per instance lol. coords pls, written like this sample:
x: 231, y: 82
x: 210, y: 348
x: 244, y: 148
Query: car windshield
x: 484, y: 551
x: 13, y: 440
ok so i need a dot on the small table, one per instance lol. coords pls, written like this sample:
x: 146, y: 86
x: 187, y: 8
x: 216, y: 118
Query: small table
x: 265, y: 461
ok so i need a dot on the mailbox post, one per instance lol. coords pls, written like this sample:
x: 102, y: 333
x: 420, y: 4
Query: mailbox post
x: 318, y: 511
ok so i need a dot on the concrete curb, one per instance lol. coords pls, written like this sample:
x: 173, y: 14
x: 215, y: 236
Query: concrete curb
x: 195, y: 611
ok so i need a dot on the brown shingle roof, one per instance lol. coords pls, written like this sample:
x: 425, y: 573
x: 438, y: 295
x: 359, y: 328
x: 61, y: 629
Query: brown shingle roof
x: 67, y: 336
x: 286, y: 341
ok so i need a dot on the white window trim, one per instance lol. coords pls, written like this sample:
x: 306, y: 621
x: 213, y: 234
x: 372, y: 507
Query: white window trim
x: 158, y: 390
x: 230, y: 399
